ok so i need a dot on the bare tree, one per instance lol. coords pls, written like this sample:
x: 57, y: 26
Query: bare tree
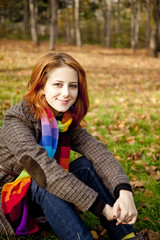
x: 72, y: 24
x: 107, y: 9
x: 138, y: 17
x: 135, y: 21
x: 108, y: 25
x: 67, y: 23
x: 34, y: 25
x: 154, y: 32
x: 26, y: 16
x: 104, y: 10
x: 77, y: 23
x: 53, y: 24
x: 48, y: 11
x: 118, y: 21
x: 98, y: 25
x: 148, y: 19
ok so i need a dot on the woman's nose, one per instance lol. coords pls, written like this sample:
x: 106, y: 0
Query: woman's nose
x: 65, y: 91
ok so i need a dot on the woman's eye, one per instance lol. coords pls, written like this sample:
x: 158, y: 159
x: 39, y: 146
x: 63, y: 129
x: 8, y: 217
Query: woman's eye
x: 57, y: 84
x: 73, y: 86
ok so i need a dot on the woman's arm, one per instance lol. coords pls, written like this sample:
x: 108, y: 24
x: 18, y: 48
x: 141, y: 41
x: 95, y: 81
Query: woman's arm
x: 19, y: 137
x: 111, y: 173
x: 105, y: 164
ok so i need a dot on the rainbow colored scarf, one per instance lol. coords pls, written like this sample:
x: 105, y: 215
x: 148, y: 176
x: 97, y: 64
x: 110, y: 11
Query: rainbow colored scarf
x: 50, y: 134
x: 14, y: 195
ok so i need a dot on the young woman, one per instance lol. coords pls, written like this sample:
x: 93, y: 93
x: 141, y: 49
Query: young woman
x: 35, y: 140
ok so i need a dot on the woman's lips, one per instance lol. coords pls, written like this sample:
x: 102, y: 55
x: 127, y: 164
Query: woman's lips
x: 63, y: 101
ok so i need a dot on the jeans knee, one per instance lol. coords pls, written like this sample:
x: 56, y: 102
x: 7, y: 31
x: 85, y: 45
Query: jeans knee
x: 79, y: 163
x: 36, y: 192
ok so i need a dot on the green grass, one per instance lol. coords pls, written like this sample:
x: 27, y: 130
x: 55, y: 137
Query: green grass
x: 145, y: 149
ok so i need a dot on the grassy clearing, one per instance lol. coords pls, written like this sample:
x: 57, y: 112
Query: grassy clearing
x: 136, y: 145
x: 124, y: 113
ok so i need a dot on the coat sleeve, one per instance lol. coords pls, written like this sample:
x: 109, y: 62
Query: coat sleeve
x: 19, y: 137
x: 105, y: 164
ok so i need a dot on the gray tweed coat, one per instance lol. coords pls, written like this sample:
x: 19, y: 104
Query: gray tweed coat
x: 20, y: 135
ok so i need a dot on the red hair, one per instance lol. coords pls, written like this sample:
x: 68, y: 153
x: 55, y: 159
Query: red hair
x: 39, y: 76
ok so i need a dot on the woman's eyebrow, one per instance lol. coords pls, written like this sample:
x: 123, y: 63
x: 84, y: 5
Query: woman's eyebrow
x: 63, y: 81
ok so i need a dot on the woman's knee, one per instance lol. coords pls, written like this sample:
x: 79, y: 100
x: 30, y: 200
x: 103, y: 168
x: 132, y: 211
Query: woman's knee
x: 80, y: 163
x: 36, y: 192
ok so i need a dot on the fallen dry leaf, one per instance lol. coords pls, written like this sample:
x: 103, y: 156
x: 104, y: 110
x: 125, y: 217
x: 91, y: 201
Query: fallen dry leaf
x: 148, y: 193
x: 133, y: 168
x: 157, y: 177
x: 120, y: 124
x: 134, y: 178
x: 117, y: 157
x: 143, y: 116
x: 137, y: 184
x: 136, y: 155
x: 92, y: 128
x: 103, y: 233
x: 98, y: 136
x: 145, y: 219
x: 131, y: 140
x: 150, y: 235
x: 97, y: 101
x: 94, y: 234
x: 115, y: 139
x: 151, y: 171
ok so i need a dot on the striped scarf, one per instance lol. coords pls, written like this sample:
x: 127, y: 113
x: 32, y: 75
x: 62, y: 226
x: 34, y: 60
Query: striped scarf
x: 14, y: 195
x: 50, y: 133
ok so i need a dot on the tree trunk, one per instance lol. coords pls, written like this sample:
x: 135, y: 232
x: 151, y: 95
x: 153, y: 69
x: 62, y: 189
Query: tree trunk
x: 133, y: 24
x: 118, y: 22
x: 77, y: 23
x: 34, y: 26
x: 48, y: 12
x: 108, y: 24
x: 104, y: 10
x: 98, y: 32
x: 26, y: 17
x: 154, y: 32
x: 148, y: 19
x: 72, y: 25
x: 159, y: 27
x: 138, y: 17
x: 53, y: 24
x: 135, y: 21
x: 107, y: 10
x: 68, y: 31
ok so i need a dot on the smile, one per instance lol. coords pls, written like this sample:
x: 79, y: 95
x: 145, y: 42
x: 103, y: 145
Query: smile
x: 63, y: 101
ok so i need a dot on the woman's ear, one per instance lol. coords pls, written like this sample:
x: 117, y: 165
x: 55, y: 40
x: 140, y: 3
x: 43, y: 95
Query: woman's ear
x: 43, y: 92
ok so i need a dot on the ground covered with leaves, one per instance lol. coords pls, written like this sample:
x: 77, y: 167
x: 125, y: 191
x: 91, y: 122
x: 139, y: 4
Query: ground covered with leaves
x: 124, y: 114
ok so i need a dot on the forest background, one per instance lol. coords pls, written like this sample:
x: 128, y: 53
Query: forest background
x: 111, y: 23
x: 118, y: 44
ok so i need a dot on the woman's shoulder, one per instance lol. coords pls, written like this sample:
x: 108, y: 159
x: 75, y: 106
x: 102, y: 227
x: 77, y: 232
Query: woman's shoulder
x: 81, y: 133
x: 21, y: 111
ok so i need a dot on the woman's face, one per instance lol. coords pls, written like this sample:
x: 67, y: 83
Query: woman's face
x: 61, y: 89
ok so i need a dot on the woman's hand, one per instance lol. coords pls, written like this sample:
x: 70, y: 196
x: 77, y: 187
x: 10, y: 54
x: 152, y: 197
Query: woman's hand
x: 124, y: 209
x: 108, y: 212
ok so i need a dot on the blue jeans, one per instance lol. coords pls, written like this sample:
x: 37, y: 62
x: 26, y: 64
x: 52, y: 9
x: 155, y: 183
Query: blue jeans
x: 61, y: 215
